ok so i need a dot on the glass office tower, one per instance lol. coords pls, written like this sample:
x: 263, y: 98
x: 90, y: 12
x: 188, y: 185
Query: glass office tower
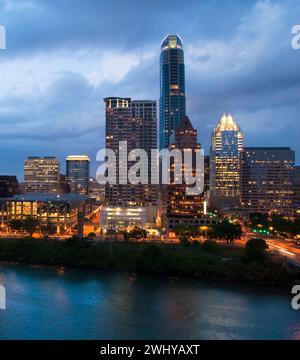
x: 226, y: 145
x: 78, y: 173
x: 172, y: 105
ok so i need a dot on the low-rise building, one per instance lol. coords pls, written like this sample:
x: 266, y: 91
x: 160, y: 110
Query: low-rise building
x: 66, y: 211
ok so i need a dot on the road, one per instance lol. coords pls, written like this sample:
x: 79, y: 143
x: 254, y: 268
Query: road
x: 281, y: 246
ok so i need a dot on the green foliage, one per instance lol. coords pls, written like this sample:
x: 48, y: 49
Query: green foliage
x: 135, y: 234
x: 210, y: 246
x: 170, y: 260
x: 16, y: 225
x: 29, y: 225
x: 188, y: 230
x: 226, y: 230
x: 92, y: 235
x: 259, y: 219
x: 256, y: 250
x: 196, y: 243
x: 47, y: 229
x: 184, y: 240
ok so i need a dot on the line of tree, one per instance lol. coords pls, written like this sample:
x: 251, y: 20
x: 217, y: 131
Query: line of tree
x: 135, y: 234
x: 224, y: 230
x: 278, y: 223
x: 30, y: 225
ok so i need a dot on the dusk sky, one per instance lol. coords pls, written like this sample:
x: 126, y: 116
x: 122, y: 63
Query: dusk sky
x: 63, y: 57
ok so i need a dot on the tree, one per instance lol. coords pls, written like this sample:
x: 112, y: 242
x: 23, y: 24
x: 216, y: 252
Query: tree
x: 210, y: 246
x: 188, y: 230
x: 226, y: 230
x: 16, y: 225
x: 29, y: 225
x: 184, y: 240
x: 256, y: 249
x: 259, y: 219
x: 47, y: 229
x: 136, y: 234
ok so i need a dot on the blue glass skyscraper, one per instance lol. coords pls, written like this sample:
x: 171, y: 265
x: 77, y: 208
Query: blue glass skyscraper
x: 172, y: 104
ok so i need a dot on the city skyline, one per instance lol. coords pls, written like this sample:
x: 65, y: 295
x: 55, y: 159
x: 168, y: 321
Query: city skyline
x: 223, y: 74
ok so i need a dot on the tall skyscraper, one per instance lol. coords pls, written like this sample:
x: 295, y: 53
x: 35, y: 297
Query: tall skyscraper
x: 184, y: 137
x: 42, y: 175
x: 226, y: 145
x: 266, y: 180
x: 181, y: 207
x: 172, y: 106
x: 136, y: 123
x: 78, y: 173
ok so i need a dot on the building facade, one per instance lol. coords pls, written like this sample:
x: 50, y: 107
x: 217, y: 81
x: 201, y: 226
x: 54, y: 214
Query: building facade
x: 42, y: 175
x: 266, y: 180
x: 178, y: 201
x: 65, y: 212
x: 136, y: 123
x: 9, y: 186
x: 172, y: 106
x: 226, y: 145
x: 296, y: 189
x: 78, y: 173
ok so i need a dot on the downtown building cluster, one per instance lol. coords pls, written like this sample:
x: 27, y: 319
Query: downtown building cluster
x: 50, y: 197
x: 237, y: 179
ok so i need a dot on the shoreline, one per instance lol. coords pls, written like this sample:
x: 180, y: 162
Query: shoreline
x: 174, y: 262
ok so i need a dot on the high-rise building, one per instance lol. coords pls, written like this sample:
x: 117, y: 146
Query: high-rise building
x: 296, y: 183
x: 78, y: 173
x: 96, y: 190
x: 172, y: 106
x: 266, y: 179
x: 296, y: 189
x: 226, y: 145
x: 134, y: 122
x: 206, y: 174
x: 181, y: 205
x: 42, y: 174
x: 9, y: 186
x: 63, y: 185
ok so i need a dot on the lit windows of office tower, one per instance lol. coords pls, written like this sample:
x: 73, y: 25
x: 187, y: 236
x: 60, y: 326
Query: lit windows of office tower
x: 180, y: 206
x: 226, y: 145
x: 78, y: 173
x: 172, y: 106
x: 267, y: 180
x: 42, y: 174
x: 136, y: 123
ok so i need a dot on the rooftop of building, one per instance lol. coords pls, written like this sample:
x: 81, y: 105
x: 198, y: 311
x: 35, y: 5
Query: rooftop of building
x: 42, y: 158
x: 78, y: 158
x: 171, y: 42
x: 227, y: 123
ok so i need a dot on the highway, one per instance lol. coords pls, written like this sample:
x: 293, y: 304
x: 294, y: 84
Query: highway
x: 280, y: 246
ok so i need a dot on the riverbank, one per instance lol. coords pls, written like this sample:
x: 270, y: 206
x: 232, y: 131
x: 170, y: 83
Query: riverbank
x: 223, y: 263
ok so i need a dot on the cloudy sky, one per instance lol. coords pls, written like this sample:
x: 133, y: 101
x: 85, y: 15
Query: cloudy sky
x: 63, y: 57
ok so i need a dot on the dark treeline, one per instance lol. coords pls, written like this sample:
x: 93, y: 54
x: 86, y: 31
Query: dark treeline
x: 204, y: 261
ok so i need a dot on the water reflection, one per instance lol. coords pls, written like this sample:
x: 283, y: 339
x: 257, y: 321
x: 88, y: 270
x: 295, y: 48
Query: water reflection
x: 50, y: 304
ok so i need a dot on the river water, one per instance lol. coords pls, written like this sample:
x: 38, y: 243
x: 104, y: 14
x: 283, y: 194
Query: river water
x: 44, y: 303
